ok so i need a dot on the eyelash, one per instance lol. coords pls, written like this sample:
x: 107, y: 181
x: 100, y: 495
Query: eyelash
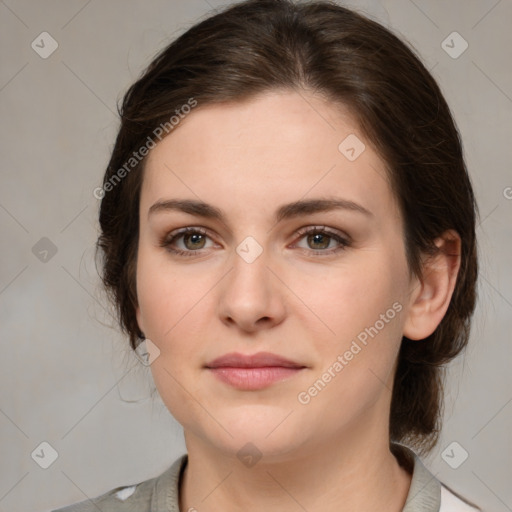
x: 167, y: 240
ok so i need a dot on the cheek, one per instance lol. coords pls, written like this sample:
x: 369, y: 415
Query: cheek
x: 161, y: 297
x: 161, y: 292
x: 345, y: 300
x: 174, y: 305
x: 358, y: 311
x: 170, y: 302
x: 355, y: 370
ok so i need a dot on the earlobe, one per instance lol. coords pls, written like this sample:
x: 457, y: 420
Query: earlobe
x: 431, y: 295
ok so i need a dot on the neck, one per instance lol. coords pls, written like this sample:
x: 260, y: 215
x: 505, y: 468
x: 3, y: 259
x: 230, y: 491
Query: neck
x: 329, y: 476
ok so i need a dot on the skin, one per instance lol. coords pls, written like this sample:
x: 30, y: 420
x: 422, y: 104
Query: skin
x: 248, y: 159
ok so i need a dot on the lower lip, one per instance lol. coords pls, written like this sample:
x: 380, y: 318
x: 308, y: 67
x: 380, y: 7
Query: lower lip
x: 249, y: 379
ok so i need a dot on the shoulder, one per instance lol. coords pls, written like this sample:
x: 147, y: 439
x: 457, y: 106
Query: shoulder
x: 144, y: 496
x: 451, y: 502
x: 426, y: 492
x: 133, y: 497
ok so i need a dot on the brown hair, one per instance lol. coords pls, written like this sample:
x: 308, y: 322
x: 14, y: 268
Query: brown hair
x: 262, y: 45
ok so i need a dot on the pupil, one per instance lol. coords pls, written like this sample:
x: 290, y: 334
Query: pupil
x: 196, y: 238
x: 320, y: 235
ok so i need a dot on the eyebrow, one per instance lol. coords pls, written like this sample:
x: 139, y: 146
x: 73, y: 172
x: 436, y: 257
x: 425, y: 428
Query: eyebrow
x: 284, y: 212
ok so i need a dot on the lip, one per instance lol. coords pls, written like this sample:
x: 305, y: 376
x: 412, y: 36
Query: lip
x: 258, y: 360
x: 253, y: 372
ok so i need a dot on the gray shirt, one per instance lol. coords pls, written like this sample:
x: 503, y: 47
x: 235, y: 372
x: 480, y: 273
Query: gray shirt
x: 161, y: 493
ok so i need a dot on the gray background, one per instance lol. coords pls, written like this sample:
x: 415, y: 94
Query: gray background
x: 64, y: 370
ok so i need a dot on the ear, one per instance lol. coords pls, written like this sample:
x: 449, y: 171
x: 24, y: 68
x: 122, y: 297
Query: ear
x: 431, y: 294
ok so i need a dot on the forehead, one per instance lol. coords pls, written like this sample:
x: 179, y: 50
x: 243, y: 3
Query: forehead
x: 276, y: 146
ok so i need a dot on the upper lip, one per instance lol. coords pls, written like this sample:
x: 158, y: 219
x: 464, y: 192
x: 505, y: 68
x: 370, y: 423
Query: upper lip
x: 259, y: 360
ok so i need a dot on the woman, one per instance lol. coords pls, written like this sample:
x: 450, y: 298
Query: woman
x: 288, y: 228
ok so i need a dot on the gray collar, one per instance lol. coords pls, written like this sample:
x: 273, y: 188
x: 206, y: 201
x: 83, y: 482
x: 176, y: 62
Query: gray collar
x: 424, y: 493
x: 425, y: 490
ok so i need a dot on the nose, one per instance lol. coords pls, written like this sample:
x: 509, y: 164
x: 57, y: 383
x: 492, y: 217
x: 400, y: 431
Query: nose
x: 251, y: 295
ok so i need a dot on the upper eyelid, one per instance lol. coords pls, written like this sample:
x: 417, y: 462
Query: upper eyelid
x: 323, y: 229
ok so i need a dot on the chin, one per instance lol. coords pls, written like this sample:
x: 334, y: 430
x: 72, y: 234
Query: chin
x: 274, y: 435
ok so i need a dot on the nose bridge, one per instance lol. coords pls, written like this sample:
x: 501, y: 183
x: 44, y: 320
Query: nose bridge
x: 250, y: 291
x: 250, y: 274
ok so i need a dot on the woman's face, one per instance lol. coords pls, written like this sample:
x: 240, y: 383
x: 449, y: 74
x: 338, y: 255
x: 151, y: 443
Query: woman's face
x: 334, y: 302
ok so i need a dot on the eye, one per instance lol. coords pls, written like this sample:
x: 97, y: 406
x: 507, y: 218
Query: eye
x: 319, y: 238
x: 194, y: 240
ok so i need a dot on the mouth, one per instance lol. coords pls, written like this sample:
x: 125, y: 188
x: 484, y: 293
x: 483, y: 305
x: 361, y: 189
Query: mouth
x: 253, y: 372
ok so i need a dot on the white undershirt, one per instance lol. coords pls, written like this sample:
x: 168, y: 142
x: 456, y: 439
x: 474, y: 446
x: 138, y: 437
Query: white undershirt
x: 451, y: 503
